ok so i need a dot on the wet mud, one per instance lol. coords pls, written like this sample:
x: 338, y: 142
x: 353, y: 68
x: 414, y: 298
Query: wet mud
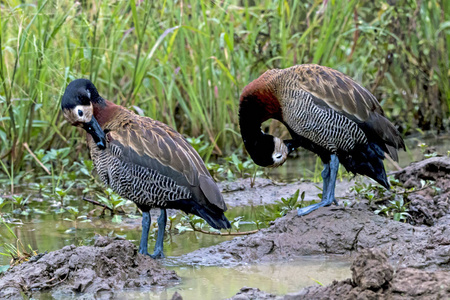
x: 99, y: 270
x: 335, y: 230
x: 391, y: 259
x: 339, y: 230
x: 432, y: 202
x: 265, y: 191
x: 373, y: 277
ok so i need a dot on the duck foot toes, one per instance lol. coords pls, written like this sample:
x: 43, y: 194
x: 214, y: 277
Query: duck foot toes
x: 144, y: 252
x: 157, y: 255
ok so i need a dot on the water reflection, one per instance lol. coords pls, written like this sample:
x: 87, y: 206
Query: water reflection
x: 277, y: 278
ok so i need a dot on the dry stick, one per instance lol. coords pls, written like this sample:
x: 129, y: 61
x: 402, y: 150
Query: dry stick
x: 224, y: 234
x: 396, y: 165
x: 36, y: 159
x: 97, y: 203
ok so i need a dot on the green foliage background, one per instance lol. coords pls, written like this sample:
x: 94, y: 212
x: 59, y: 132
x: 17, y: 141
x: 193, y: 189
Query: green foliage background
x: 185, y: 62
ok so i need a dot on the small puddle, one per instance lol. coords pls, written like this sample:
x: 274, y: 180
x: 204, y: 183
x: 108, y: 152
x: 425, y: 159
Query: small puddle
x: 277, y: 278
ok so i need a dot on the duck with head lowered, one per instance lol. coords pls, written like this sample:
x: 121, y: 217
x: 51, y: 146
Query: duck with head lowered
x: 325, y: 112
x: 144, y: 160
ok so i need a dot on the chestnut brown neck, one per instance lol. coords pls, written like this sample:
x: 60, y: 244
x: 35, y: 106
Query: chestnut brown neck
x: 105, y: 111
x: 258, y: 97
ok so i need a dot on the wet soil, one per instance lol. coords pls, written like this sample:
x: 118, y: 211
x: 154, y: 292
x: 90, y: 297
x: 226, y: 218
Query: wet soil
x: 347, y: 230
x: 266, y: 191
x: 99, y: 270
x: 414, y: 250
x: 335, y: 230
x: 433, y: 202
x: 373, y: 277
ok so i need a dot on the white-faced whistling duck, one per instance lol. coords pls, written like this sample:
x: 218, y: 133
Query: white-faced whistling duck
x: 325, y: 112
x: 144, y: 161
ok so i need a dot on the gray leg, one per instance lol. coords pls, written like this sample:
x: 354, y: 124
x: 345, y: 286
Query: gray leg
x: 329, y: 187
x: 146, y: 220
x: 159, y: 246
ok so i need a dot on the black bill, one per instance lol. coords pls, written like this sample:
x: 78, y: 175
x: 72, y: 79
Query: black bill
x: 94, y: 129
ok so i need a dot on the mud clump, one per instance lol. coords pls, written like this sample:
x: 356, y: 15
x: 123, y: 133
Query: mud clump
x: 433, y: 202
x: 371, y: 270
x: 99, y: 270
x: 372, y: 278
x: 248, y: 293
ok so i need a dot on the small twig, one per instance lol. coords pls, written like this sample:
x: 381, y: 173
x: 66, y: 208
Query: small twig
x: 223, y: 233
x: 97, y: 203
x: 396, y: 165
x: 58, y: 282
x: 36, y: 159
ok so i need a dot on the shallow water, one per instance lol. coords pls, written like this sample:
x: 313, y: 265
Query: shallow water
x: 278, y: 278
x: 46, y: 233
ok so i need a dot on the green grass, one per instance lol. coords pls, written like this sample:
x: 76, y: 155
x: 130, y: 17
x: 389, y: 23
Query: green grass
x: 185, y: 62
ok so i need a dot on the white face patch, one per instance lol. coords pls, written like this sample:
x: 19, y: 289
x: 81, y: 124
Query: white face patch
x: 79, y: 114
x: 280, y: 152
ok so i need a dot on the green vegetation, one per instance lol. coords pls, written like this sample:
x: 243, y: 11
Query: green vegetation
x: 185, y: 62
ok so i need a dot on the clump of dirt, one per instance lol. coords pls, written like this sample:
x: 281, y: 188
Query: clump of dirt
x: 434, y: 168
x: 111, y: 264
x: 249, y: 293
x: 372, y: 278
x: 432, y: 202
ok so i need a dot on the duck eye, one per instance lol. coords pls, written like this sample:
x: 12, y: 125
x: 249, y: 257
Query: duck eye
x: 80, y: 112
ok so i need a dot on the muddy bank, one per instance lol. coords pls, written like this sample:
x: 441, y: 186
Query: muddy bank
x: 347, y: 230
x: 111, y: 264
x: 266, y: 191
x: 433, y: 202
x: 372, y: 278
x: 335, y: 230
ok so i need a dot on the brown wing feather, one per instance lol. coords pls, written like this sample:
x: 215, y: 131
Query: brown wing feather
x: 154, y: 140
x: 338, y: 90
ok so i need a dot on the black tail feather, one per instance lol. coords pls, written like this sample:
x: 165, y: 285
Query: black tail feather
x: 367, y: 160
x: 215, y: 219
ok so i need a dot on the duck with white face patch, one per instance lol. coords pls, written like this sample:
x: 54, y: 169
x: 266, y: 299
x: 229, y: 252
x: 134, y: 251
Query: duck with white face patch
x: 79, y: 111
x: 145, y: 161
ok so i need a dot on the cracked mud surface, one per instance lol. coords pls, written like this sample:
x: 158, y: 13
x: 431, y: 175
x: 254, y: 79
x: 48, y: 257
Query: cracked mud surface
x: 98, y: 270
